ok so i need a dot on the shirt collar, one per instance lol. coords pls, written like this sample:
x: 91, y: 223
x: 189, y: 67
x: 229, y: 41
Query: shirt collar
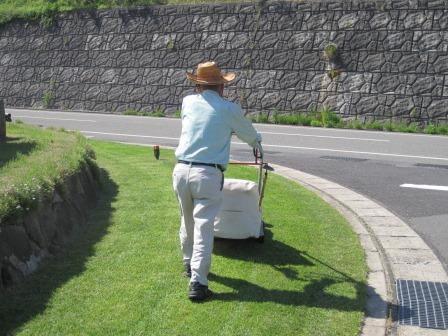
x: 211, y: 92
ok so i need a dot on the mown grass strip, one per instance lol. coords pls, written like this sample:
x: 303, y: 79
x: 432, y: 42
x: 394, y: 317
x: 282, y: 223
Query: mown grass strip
x: 33, y: 162
x: 124, y: 275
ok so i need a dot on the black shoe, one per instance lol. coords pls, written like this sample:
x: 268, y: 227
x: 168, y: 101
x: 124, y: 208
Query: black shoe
x: 199, y: 292
x: 187, y: 271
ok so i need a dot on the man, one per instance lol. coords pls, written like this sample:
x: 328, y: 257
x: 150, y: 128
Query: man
x: 208, y: 121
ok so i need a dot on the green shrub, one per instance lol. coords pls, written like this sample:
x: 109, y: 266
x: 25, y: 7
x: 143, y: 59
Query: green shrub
x: 263, y: 118
x: 47, y: 99
x: 329, y: 118
x: 413, y: 128
x: 331, y: 50
x: 442, y: 129
x: 131, y: 112
x: 374, y: 125
x: 355, y: 124
x: 430, y: 129
x: 304, y: 120
x: 157, y: 113
x: 333, y: 73
x: 316, y: 123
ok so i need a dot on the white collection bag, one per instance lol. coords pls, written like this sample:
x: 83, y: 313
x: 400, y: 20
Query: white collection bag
x: 240, y: 216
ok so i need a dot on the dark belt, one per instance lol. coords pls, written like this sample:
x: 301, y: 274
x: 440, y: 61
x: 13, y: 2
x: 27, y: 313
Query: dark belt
x: 191, y: 163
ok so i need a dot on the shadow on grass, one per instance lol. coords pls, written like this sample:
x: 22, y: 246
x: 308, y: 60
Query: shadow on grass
x: 271, y: 252
x: 279, y: 256
x: 11, y: 148
x: 25, y: 301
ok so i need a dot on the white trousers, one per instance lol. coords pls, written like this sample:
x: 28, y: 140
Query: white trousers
x: 199, y: 192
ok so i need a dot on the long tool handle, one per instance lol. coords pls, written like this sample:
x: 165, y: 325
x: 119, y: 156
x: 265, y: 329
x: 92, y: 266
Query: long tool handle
x: 262, y: 188
x: 245, y: 163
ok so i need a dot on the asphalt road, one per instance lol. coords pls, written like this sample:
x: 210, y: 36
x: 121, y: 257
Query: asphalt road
x: 376, y: 164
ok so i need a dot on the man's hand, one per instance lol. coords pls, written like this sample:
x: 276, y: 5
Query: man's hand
x: 258, y: 148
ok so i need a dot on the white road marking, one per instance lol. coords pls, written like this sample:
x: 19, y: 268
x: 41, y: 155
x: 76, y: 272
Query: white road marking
x: 323, y: 129
x: 317, y: 129
x: 90, y: 113
x: 325, y: 136
x: 282, y: 146
x: 424, y: 186
x: 352, y: 152
x: 46, y: 118
x: 129, y: 135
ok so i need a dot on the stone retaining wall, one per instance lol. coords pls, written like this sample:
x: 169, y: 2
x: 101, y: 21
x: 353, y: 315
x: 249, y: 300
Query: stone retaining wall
x: 393, y: 57
x: 43, y: 232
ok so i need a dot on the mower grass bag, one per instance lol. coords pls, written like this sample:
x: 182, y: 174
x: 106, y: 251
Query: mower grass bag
x: 240, y: 216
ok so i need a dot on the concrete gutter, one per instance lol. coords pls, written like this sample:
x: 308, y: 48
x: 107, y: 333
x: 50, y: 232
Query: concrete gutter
x: 392, y: 249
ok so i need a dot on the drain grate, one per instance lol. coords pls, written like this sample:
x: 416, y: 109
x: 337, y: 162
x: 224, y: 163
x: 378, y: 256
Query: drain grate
x: 343, y: 158
x: 423, y: 303
x: 429, y: 165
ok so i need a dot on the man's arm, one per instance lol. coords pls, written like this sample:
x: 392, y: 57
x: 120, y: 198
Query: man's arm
x: 243, y: 128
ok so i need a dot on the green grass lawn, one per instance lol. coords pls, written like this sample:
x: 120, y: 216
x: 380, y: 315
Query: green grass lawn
x: 123, y: 276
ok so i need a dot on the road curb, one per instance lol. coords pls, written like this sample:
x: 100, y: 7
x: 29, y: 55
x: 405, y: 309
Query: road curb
x: 392, y: 249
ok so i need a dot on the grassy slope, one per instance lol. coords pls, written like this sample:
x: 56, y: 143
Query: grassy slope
x: 33, y: 162
x: 123, y: 276
x: 10, y: 9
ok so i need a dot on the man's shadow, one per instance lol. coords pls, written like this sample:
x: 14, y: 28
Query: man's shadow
x: 29, y: 299
x: 281, y: 256
x: 11, y: 148
x: 272, y: 252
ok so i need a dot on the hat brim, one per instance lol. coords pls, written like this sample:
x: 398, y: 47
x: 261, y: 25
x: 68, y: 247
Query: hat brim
x: 224, y: 79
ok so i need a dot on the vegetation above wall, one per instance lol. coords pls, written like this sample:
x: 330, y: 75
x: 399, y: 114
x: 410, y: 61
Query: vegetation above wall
x: 44, y: 10
x: 33, y: 162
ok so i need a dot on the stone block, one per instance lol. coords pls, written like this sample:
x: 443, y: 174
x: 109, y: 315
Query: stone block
x: 427, y: 41
x: 419, y: 85
x: 372, y: 62
x: 380, y: 20
x: 402, y: 106
x: 356, y: 82
x: 396, y: 41
x: 318, y: 21
x: 361, y: 40
x: 304, y: 101
x: 348, y: 21
x: 271, y: 100
x: 438, y: 109
x: 308, y: 61
x: 417, y: 20
x: 414, y: 62
x: 302, y: 40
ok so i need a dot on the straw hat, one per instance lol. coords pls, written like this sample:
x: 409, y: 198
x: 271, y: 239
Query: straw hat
x: 209, y: 73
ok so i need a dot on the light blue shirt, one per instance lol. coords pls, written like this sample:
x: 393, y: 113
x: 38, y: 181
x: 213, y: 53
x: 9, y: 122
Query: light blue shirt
x: 208, y: 121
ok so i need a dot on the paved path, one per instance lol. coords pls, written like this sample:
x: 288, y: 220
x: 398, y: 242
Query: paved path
x: 405, y: 178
